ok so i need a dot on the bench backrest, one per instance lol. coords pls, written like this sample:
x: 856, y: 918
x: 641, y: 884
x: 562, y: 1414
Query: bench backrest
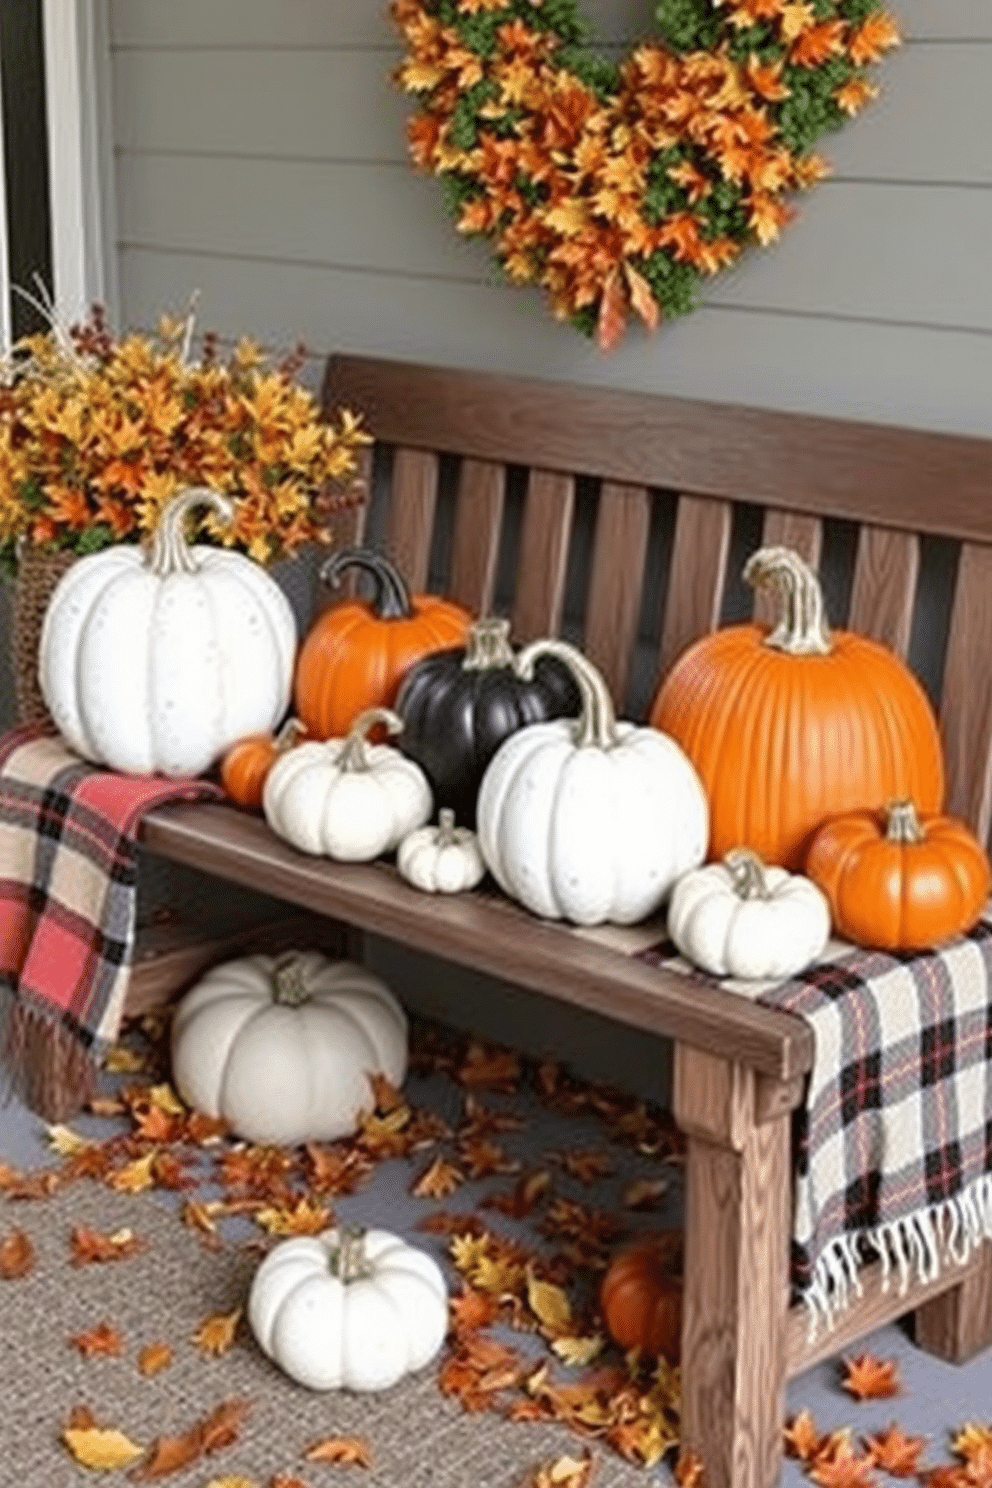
x: 622, y: 520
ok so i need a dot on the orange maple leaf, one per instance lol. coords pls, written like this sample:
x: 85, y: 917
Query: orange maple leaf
x: 103, y: 1340
x: 818, y: 44
x: 895, y: 1452
x: 215, y: 1335
x: 802, y: 1438
x: 868, y: 1378
x: 354, y: 1451
x: 611, y: 322
x: 873, y: 37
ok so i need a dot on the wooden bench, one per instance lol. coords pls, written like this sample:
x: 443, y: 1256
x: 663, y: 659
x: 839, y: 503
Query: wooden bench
x: 622, y: 521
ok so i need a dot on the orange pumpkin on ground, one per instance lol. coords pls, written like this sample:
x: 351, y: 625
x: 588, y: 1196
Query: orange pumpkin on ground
x: 357, y: 653
x: 641, y: 1295
x: 897, y: 880
x: 246, y: 764
x: 792, y: 725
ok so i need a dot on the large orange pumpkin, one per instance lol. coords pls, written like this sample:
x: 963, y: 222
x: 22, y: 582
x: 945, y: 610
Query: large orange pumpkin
x: 641, y: 1295
x: 899, y: 881
x: 357, y: 653
x: 791, y: 725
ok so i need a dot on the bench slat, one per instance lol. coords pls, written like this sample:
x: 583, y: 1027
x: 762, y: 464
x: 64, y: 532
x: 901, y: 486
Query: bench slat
x: 884, y: 589
x: 966, y: 704
x: 614, y: 601
x: 411, y: 513
x: 547, y: 526
x: 697, y: 576
x: 788, y: 529
x: 475, y: 544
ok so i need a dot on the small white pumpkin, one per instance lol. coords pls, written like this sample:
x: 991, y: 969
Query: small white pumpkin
x: 282, y: 1047
x: 441, y: 860
x: 346, y: 798
x: 741, y: 919
x: 352, y: 1309
x: 157, y: 662
x: 589, y: 820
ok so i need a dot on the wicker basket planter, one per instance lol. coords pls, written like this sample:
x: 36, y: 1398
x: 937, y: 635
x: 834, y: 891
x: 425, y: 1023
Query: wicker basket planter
x: 38, y: 573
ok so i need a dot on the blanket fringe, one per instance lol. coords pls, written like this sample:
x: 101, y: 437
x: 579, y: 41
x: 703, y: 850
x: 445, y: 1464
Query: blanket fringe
x: 45, y: 1064
x: 926, y: 1242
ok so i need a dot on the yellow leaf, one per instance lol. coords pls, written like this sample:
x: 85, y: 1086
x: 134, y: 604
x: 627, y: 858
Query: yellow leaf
x: 101, y: 1449
x: 166, y: 1099
x: 122, y: 1061
x: 578, y: 1350
x: 66, y: 1142
x: 135, y: 1177
x: 231, y: 1482
x: 549, y: 1304
x: 216, y: 1335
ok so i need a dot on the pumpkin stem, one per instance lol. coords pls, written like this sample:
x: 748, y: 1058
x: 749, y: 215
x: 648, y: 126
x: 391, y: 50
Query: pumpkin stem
x: 391, y: 600
x: 289, y: 988
x: 350, y: 1260
x: 902, y: 823
x: 488, y: 645
x: 289, y: 735
x: 801, y: 625
x: 597, y: 722
x: 355, y: 755
x: 445, y: 827
x: 170, y: 551
x: 747, y: 873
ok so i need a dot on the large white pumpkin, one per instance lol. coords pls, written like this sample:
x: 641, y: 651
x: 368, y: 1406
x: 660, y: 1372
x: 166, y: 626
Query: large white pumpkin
x: 589, y: 820
x: 347, y: 799
x: 156, y: 662
x: 352, y: 1309
x: 282, y: 1047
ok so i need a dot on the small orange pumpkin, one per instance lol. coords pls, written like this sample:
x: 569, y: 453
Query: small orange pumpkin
x: 246, y: 764
x: 790, y: 726
x: 641, y: 1295
x: 897, y: 880
x: 357, y: 653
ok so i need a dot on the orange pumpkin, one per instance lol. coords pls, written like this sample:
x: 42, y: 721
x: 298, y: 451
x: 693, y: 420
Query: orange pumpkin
x: 246, y: 764
x: 357, y: 653
x: 790, y: 725
x: 900, y: 881
x: 641, y: 1295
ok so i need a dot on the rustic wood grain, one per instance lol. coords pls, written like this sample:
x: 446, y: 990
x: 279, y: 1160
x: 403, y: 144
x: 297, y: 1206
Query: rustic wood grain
x: 957, y: 1325
x: 735, y: 1289
x: 697, y: 575
x: 411, y: 514
x: 484, y: 930
x: 475, y: 544
x: 886, y: 569
x: 906, y: 478
x: 547, y: 526
x: 613, y: 603
x: 788, y: 529
x: 966, y: 703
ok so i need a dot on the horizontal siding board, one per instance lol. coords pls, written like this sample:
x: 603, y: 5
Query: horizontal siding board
x: 861, y: 251
x: 950, y: 20
x: 888, y: 374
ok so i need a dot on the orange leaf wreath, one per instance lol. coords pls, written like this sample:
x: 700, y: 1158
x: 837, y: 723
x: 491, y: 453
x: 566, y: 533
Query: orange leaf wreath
x: 617, y: 186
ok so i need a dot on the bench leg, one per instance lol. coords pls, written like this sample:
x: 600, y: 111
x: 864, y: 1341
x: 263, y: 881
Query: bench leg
x: 738, y: 1208
x: 958, y: 1324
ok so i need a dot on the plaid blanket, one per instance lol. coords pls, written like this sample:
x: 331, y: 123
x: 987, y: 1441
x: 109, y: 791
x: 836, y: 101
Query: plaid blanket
x: 892, y: 1147
x: 68, y: 885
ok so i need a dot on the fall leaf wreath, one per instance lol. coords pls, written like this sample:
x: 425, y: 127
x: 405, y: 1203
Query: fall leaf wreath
x: 616, y: 186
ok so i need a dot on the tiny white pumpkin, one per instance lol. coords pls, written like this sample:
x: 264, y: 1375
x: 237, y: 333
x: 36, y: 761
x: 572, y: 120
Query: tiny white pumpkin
x: 741, y: 919
x: 352, y: 1309
x: 589, y: 820
x: 281, y: 1047
x: 156, y: 662
x: 347, y: 799
x: 441, y: 860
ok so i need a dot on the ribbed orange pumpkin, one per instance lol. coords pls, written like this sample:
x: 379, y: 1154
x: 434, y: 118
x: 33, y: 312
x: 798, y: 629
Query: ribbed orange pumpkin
x: 246, y: 764
x: 791, y: 725
x: 641, y: 1295
x: 899, y: 881
x: 358, y: 651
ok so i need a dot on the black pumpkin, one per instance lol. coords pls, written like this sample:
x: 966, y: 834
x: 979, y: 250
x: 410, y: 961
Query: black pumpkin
x: 458, y: 706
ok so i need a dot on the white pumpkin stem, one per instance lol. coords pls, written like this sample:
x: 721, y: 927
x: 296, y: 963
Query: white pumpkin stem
x: 801, y: 625
x: 747, y: 873
x: 488, y: 645
x: 597, y: 722
x: 350, y: 1258
x: 170, y: 552
x: 289, y: 987
x: 355, y: 754
x: 446, y: 827
x: 289, y: 735
x: 902, y: 823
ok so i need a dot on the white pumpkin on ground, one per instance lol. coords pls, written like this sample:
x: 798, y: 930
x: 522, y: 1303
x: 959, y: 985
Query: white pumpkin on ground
x: 739, y: 918
x: 589, y: 820
x: 357, y: 1310
x: 156, y: 662
x: 345, y: 798
x: 281, y: 1047
x: 441, y: 860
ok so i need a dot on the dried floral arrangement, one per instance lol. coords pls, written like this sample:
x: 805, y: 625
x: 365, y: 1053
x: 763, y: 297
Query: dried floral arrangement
x: 617, y: 186
x: 98, y: 433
